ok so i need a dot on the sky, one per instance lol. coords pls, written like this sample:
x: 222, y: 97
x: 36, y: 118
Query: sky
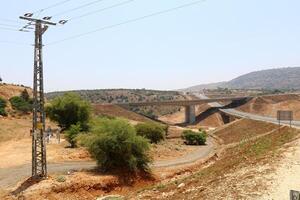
x: 212, y: 41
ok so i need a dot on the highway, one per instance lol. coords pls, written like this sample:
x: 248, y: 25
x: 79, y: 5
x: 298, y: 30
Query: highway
x: 273, y: 120
x: 240, y: 114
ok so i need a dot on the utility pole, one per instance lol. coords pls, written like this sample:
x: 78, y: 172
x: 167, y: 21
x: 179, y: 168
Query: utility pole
x: 39, y: 161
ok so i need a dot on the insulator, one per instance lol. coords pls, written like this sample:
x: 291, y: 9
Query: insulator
x: 63, y: 21
x: 28, y: 15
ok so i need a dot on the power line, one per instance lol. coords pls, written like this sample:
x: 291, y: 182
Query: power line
x: 102, y: 9
x: 129, y: 21
x: 11, y: 29
x: 52, y: 6
x: 8, y: 25
x: 15, y: 43
x: 11, y: 21
x: 77, y: 8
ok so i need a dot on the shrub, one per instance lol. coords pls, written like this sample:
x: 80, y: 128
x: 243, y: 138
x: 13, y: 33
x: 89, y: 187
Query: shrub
x: 152, y: 131
x: 72, y: 133
x: 3, y: 104
x: 25, y: 95
x: 20, y: 104
x: 61, y: 179
x: 115, y: 145
x: 194, y: 138
x: 68, y: 110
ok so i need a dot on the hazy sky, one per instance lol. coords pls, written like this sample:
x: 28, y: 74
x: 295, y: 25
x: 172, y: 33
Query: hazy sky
x: 215, y: 40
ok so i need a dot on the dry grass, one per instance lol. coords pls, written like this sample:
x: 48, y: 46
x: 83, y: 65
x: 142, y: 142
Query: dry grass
x: 7, y: 90
x: 117, y: 111
x: 243, y: 130
x: 14, y: 129
x: 231, y: 176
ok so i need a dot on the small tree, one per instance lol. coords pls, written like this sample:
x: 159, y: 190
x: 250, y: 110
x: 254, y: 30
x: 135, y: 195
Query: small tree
x: 115, y: 145
x: 72, y: 133
x: 194, y: 138
x: 152, y: 131
x: 20, y: 104
x: 68, y: 110
x: 3, y: 105
x: 25, y: 95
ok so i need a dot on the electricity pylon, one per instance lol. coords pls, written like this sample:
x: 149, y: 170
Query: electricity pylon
x: 39, y: 161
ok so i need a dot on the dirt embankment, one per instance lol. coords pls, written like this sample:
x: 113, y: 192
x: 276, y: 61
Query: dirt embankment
x: 238, y: 173
x: 214, y: 120
x: 269, y: 105
x: 286, y: 177
x: 243, y: 129
x: 117, y: 111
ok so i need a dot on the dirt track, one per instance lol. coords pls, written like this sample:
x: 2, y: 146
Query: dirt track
x: 9, y: 177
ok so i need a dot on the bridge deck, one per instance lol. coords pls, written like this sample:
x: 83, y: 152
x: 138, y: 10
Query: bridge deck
x: 184, y: 102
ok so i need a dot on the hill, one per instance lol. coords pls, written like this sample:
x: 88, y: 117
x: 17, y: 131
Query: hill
x: 9, y: 90
x: 281, y: 78
x: 129, y: 95
x: 268, y: 105
x: 17, y: 108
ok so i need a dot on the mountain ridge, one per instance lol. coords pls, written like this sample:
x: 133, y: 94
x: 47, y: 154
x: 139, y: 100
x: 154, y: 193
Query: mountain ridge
x: 278, y: 78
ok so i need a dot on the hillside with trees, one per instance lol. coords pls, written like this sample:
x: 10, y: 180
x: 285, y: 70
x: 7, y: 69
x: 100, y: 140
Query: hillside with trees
x: 111, y: 96
x: 15, y: 100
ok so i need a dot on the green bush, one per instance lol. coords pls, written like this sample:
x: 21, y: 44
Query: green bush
x: 61, y: 179
x: 3, y: 105
x: 194, y: 138
x: 20, y: 104
x: 68, y: 110
x: 152, y: 131
x: 115, y: 145
x: 72, y: 133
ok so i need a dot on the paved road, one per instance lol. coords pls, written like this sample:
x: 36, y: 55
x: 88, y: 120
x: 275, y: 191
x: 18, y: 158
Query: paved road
x: 9, y: 177
x: 212, y: 104
x: 241, y: 114
x: 273, y: 120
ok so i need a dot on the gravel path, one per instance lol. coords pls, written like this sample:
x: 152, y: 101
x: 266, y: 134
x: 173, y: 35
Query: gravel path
x: 11, y: 176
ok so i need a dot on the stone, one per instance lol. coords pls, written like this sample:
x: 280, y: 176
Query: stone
x: 111, y: 197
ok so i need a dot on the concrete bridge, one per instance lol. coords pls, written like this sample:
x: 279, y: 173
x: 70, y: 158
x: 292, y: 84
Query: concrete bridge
x: 190, y: 110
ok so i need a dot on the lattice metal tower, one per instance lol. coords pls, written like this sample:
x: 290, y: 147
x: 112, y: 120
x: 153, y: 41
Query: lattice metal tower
x: 39, y: 162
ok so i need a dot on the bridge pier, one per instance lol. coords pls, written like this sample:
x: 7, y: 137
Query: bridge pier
x: 190, y: 114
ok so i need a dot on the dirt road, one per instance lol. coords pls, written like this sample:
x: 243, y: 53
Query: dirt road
x: 9, y: 177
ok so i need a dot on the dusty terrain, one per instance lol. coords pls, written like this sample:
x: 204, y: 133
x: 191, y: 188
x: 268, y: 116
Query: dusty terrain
x: 232, y: 174
x: 16, y: 153
x: 117, y: 111
x: 13, y: 129
x: 268, y: 105
x: 15, y: 137
x: 238, y: 173
x: 286, y: 177
x: 8, y: 90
